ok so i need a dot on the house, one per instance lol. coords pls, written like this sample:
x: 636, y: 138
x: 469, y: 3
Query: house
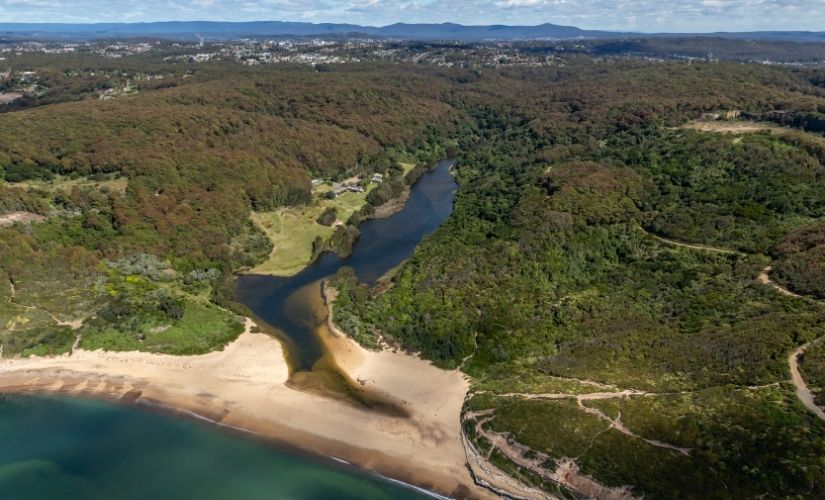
x: 338, y: 189
x: 377, y: 178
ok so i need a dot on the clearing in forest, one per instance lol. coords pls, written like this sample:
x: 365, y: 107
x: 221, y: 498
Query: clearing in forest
x: 293, y: 229
x: 734, y: 127
x: 66, y: 183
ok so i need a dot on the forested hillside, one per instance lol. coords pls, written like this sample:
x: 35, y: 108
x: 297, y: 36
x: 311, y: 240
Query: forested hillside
x: 195, y: 158
x: 599, y: 278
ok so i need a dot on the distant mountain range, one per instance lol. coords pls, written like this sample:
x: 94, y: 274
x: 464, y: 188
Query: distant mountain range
x: 445, y: 31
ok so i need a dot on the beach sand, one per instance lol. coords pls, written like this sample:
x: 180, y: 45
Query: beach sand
x: 244, y: 387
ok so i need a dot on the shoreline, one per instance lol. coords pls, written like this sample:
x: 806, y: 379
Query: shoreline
x: 250, y: 388
x: 179, y: 412
x: 487, y: 477
x: 383, y: 211
x: 391, y: 206
x: 243, y: 388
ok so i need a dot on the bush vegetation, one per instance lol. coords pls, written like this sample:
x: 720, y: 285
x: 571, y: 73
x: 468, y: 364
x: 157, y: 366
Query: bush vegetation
x: 800, y: 260
x: 545, y: 278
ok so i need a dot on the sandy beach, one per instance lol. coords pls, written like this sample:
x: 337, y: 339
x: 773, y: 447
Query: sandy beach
x: 244, y: 386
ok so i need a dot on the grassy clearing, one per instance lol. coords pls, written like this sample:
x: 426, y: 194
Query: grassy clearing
x: 407, y: 165
x: 293, y: 229
x: 64, y: 183
x: 527, y: 378
x: 739, y: 127
x: 30, y: 312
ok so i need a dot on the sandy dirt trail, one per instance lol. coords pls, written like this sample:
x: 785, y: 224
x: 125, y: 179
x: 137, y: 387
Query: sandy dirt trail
x: 693, y: 246
x: 765, y: 278
x: 566, y: 473
x: 733, y: 127
x: 802, y: 391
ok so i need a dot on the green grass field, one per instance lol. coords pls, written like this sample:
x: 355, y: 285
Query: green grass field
x: 293, y: 229
x: 60, y: 182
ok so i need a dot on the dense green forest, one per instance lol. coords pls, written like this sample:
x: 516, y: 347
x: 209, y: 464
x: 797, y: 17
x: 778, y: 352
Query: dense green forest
x: 581, y: 220
x: 197, y: 158
x: 566, y: 265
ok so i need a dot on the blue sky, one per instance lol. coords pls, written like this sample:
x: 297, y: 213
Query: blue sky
x: 637, y: 15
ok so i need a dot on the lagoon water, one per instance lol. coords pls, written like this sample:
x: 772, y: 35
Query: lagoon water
x: 383, y: 244
x: 66, y: 448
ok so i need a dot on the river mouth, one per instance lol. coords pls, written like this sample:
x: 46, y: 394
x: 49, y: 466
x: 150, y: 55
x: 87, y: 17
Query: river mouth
x: 293, y: 307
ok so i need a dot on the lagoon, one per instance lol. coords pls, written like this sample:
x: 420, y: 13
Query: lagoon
x: 383, y: 245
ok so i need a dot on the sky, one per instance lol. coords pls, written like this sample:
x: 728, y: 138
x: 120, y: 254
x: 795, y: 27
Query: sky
x: 621, y: 15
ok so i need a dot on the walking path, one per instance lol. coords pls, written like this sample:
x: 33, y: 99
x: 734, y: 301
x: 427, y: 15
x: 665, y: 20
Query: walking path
x: 765, y: 279
x: 802, y: 391
x: 566, y: 473
x: 693, y: 246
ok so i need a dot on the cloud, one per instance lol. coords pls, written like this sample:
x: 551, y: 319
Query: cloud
x: 637, y: 15
x: 520, y: 3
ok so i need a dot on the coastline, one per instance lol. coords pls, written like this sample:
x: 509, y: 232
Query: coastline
x: 404, y: 423
x: 488, y: 478
x: 244, y: 388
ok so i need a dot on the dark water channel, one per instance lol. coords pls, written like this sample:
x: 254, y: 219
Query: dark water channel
x: 76, y: 449
x: 383, y: 245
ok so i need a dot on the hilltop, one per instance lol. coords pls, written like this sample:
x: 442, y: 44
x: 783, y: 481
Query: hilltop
x: 421, y: 31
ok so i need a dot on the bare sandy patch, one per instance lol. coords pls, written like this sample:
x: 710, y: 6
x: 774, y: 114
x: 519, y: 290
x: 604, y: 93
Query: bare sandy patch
x: 732, y: 127
x: 21, y: 217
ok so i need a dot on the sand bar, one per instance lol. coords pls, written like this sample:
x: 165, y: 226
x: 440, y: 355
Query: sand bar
x: 244, y: 387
